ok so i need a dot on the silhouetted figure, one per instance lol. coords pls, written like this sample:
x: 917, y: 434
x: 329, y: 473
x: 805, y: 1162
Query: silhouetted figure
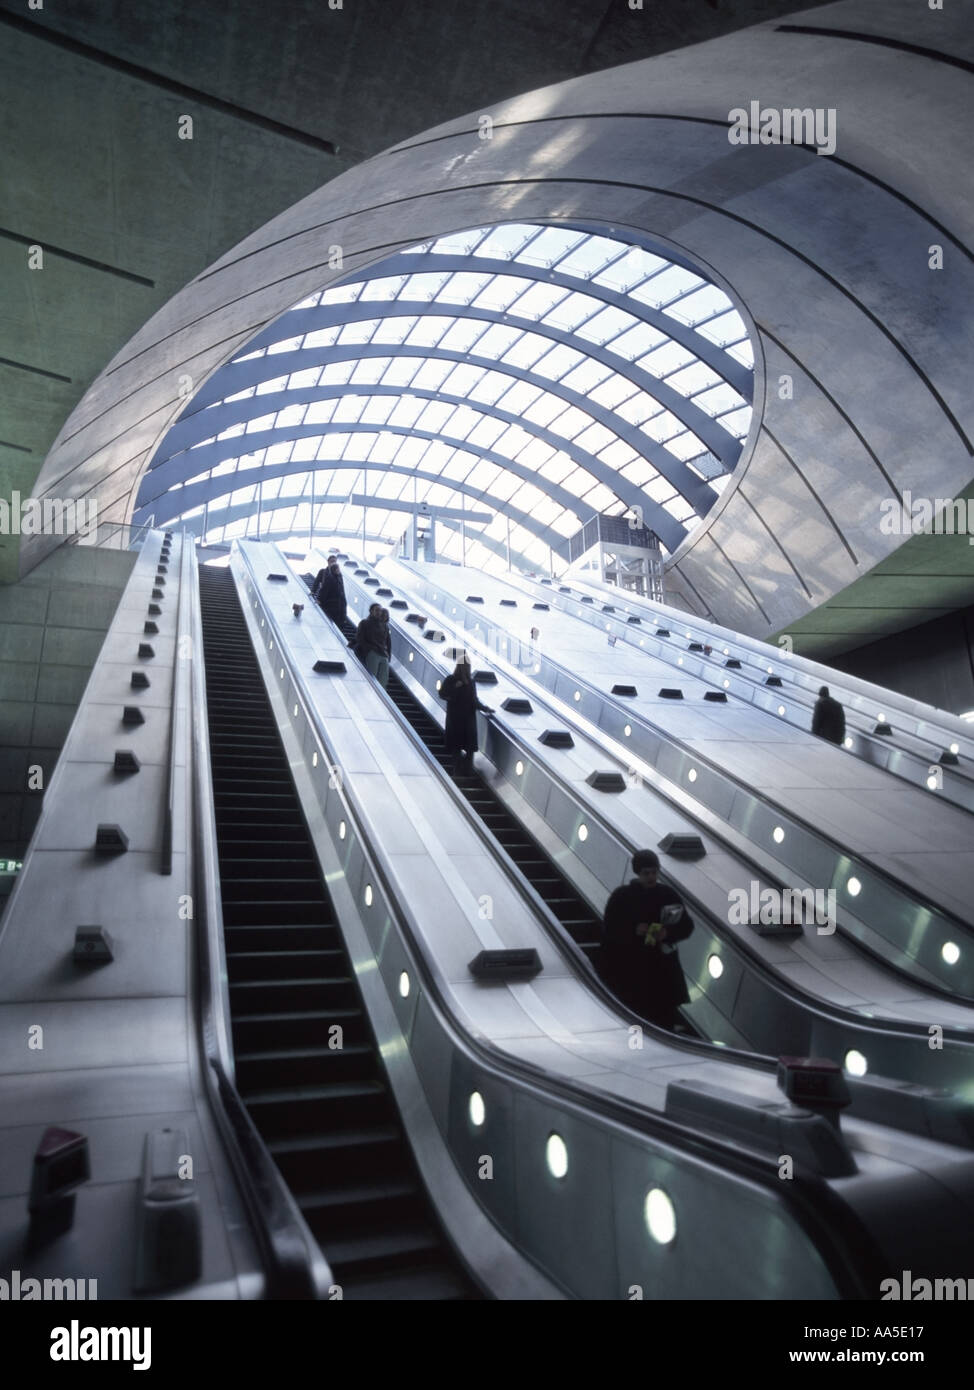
x: 329, y: 592
x: 462, y: 705
x: 639, y: 957
x: 371, y: 644
x: 828, y: 717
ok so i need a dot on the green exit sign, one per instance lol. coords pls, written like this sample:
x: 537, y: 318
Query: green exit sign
x: 10, y: 866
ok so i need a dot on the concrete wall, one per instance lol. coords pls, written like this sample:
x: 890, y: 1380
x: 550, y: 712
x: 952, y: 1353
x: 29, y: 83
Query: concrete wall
x: 933, y: 662
x: 52, y: 626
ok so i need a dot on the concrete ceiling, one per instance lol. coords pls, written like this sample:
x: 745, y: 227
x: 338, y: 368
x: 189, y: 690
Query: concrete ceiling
x: 283, y: 99
x: 93, y: 171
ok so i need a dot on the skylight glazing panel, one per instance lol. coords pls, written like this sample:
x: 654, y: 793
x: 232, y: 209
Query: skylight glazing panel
x: 378, y: 409
x: 490, y: 388
x: 616, y: 454
x: 572, y: 311
x: 462, y: 287
x: 611, y: 392
x: 234, y: 431
x: 663, y: 426
x: 593, y: 439
x: 586, y: 376
x: 367, y: 371
x: 537, y: 300
x: 737, y: 422
x: 303, y: 380
x: 550, y: 246
x: 639, y: 408
x: 244, y: 395
x: 285, y: 345
x: 558, y: 361
x: 294, y: 486
x: 666, y: 359
x: 599, y: 497
x: 640, y: 472
x: 607, y: 325
x: 427, y: 331
x: 274, y: 383
x: 684, y: 446
x: 570, y: 422
x: 395, y: 328
x: 560, y: 468
x: 496, y: 341
x: 357, y: 332
x: 728, y: 328
x: 304, y: 450
x: 250, y: 356
x: 401, y: 371
x: 544, y: 410
x: 535, y: 454
x: 431, y: 375
x: 486, y: 432
x: 499, y: 292
x: 743, y: 352
x: 426, y: 285
x: 290, y: 415
x: 526, y: 351
x: 638, y: 341
x: 462, y: 335
x: 322, y: 337
x: 590, y: 257
x: 659, y: 490
x: 631, y: 269
x: 512, y: 441
x: 320, y: 412
x: 482, y: 474
x: 719, y: 399
x: 342, y: 294
x: 384, y: 288
x: 460, y: 379
x: 668, y: 285
x: 260, y: 422
x: 462, y: 421
x: 348, y: 409
x: 706, y: 466
x: 458, y: 243
x: 503, y: 243
x: 700, y: 304
x: 517, y: 399
x: 434, y: 417
x: 336, y: 374
x: 384, y: 448
x: 679, y: 508
x: 693, y: 379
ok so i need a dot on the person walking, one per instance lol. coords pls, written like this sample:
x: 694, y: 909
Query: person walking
x: 828, y: 717
x: 639, y: 957
x: 462, y: 704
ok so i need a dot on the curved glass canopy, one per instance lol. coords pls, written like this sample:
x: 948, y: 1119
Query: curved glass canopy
x: 510, y: 381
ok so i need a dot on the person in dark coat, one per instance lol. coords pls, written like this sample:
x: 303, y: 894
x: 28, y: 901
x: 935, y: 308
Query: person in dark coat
x: 371, y: 644
x: 462, y: 705
x: 329, y: 592
x: 828, y: 717
x: 640, y: 963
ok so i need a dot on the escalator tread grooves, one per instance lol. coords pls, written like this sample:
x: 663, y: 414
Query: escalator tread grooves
x: 314, y: 1106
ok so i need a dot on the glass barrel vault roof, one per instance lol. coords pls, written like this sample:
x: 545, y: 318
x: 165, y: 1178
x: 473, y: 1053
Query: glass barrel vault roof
x: 524, y: 376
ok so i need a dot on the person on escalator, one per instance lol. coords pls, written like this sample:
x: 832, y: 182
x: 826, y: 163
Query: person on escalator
x: 371, y: 644
x: 329, y: 592
x: 639, y: 958
x: 462, y: 705
x: 828, y: 717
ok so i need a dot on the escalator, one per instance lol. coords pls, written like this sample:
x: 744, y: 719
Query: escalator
x: 574, y: 914
x: 325, y: 1111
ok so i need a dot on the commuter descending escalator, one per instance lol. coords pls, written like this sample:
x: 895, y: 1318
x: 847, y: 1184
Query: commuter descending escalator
x: 326, y: 1114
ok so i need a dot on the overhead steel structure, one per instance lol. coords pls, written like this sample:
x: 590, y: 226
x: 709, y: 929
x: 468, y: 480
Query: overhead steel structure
x: 549, y: 373
x: 852, y: 259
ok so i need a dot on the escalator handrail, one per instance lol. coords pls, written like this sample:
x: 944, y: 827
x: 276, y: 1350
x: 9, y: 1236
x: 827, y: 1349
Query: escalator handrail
x: 845, y: 1246
x: 913, y: 895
